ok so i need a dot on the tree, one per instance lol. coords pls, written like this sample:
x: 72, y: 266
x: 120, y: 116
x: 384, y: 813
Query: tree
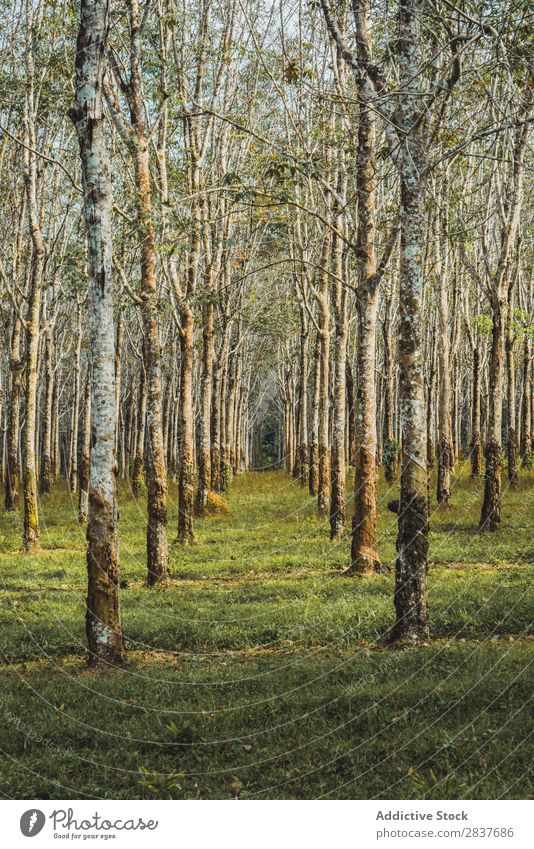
x: 103, y: 625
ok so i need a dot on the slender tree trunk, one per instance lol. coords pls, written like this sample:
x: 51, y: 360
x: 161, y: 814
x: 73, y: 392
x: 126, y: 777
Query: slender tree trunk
x: 103, y: 626
x: 526, y: 409
x: 31, y: 533
x: 445, y: 452
x: 314, y: 436
x: 156, y: 469
x: 391, y: 449
x: 501, y: 287
x: 138, y: 475
x: 412, y: 541
x: 491, y: 506
x: 204, y: 455
x: 56, y: 452
x: 16, y: 367
x: 304, y: 462
x: 364, y: 555
x: 186, y: 533
x: 216, y: 431
x: 323, y: 495
x: 476, y: 439
x: 73, y: 453
x: 351, y: 414
x: 85, y: 458
x: 511, y: 446
x: 46, y: 463
x: 338, y: 514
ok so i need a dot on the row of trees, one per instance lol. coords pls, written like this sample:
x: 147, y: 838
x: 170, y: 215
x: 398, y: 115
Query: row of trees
x: 309, y: 218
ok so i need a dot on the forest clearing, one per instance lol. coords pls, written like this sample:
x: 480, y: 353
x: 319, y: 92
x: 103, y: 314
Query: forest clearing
x: 271, y: 677
x: 266, y: 399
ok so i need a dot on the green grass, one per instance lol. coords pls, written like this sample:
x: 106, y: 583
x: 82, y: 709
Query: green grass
x: 261, y: 672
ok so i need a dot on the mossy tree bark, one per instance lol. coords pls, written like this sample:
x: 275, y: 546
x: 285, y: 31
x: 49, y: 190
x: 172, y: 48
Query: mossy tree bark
x: 16, y: 370
x: 103, y: 626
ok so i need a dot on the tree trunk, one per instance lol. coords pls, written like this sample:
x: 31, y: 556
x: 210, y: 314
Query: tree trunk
x: 364, y: 555
x: 476, y: 439
x: 511, y: 447
x: 138, y: 475
x: 85, y: 457
x: 412, y: 541
x: 31, y: 533
x: 16, y: 367
x: 491, y: 507
x: 204, y: 454
x: 156, y: 469
x: 391, y: 449
x: 323, y: 494
x: 314, y: 436
x: 73, y: 453
x: 445, y: 452
x: 526, y: 409
x: 186, y: 533
x: 103, y: 626
x: 46, y: 462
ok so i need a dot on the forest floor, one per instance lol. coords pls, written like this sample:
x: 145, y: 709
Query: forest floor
x: 261, y: 672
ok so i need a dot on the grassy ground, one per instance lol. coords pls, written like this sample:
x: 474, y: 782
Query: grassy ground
x: 261, y: 672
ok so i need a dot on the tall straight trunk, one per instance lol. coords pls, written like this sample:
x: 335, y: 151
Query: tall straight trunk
x: 412, y: 541
x: 491, y: 507
x: 216, y: 431
x: 31, y: 532
x: 476, y: 438
x: 323, y: 484
x: 391, y: 450
x: 16, y: 366
x: 364, y: 555
x: 204, y: 454
x: 118, y: 375
x: 304, y: 462
x: 314, y: 435
x: 45, y: 484
x: 186, y: 533
x: 430, y: 416
x: 526, y: 407
x: 445, y: 451
x: 156, y: 469
x: 511, y: 446
x: 338, y: 515
x: 351, y: 414
x: 73, y: 453
x: 222, y: 413
x: 103, y: 625
x: 56, y: 451
x: 289, y: 422
x: 138, y: 475
x: 85, y: 455
x: 490, y: 517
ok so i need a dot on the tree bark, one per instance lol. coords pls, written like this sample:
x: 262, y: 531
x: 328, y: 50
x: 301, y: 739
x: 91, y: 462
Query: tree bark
x: 85, y: 457
x: 412, y: 541
x: 46, y: 460
x: 103, y: 625
x: 16, y: 368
